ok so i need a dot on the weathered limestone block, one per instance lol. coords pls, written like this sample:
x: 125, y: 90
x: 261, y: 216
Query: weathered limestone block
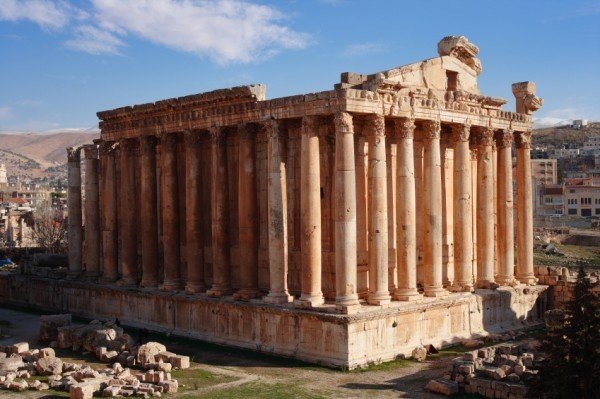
x: 46, y: 352
x: 18, y: 348
x: 49, y: 326
x: 11, y: 363
x: 419, y: 354
x: 445, y: 387
x: 147, y: 353
x: 111, y: 391
x: 109, y: 356
x: 18, y: 386
x: 81, y: 391
x: 49, y: 366
x: 169, y: 386
x: 39, y: 386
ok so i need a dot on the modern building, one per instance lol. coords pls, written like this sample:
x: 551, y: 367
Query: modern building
x: 582, y: 198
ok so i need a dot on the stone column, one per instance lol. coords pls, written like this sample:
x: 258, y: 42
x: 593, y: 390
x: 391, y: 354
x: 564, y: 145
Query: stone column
x: 378, y: 207
x: 391, y: 152
x: 419, y: 208
x: 463, y: 210
x: 247, y: 213
x: 127, y: 205
x: 362, y: 223
x: 194, y: 213
x: 345, y: 213
x: 406, y: 212
x: 447, y: 210
x: 220, y: 221
x: 485, y: 210
x: 432, y: 193
x: 505, y: 210
x: 277, y: 217
x: 310, y: 214
x: 108, y: 193
x: 524, y: 210
x: 170, y: 213
x: 92, y: 212
x: 74, y: 210
x: 149, y: 212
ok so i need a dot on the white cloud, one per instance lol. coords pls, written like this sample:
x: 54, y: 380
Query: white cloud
x: 362, y: 49
x: 47, y: 14
x: 5, y: 113
x: 564, y: 116
x: 90, y: 39
x: 223, y: 30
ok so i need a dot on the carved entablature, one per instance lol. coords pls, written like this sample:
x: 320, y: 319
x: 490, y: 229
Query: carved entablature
x: 460, y: 47
x: 523, y: 139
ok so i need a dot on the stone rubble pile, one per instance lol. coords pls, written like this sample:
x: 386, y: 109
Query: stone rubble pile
x: 147, y: 372
x: 502, y: 371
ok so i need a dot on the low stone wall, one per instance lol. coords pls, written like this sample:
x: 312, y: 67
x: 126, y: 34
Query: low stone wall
x: 372, y: 335
x: 561, y: 282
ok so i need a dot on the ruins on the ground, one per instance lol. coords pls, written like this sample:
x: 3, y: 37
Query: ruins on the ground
x: 341, y: 227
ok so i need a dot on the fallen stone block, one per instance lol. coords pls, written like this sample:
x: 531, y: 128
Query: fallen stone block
x: 183, y: 362
x: 81, y: 391
x: 443, y: 387
x: 471, y: 343
x: 147, y: 353
x: 50, y: 324
x: 111, y: 391
x: 18, y: 386
x: 163, y: 366
x: 12, y: 363
x: 46, y: 352
x: 169, y: 386
x: 109, y: 356
x: 18, y: 348
x: 49, y: 366
x: 419, y: 354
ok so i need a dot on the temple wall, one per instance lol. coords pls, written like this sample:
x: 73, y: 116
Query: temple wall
x: 346, y: 341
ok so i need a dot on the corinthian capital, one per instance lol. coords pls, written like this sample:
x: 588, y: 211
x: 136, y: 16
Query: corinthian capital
x: 74, y: 154
x: 90, y: 151
x: 272, y: 128
x: 486, y: 136
x: 461, y: 132
x: 310, y: 124
x: 405, y: 128
x: 504, y: 138
x: 523, y: 139
x: 107, y: 147
x: 375, y: 125
x: 343, y: 122
x: 432, y: 129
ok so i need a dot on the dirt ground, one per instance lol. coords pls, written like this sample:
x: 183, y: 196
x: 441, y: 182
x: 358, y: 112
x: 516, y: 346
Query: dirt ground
x: 220, y: 372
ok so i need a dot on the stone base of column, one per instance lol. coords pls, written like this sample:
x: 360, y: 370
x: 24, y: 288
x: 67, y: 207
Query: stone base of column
x: 507, y: 281
x: 309, y: 301
x: 348, y: 308
x: 107, y: 279
x: 487, y: 285
x: 411, y: 294
x: 435, y: 292
x: 527, y: 279
x: 194, y: 288
x: 246, y: 294
x: 217, y: 292
x: 127, y: 282
x: 170, y: 285
x: 379, y: 298
x: 461, y: 287
x: 149, y: 283
x: 278, y: 298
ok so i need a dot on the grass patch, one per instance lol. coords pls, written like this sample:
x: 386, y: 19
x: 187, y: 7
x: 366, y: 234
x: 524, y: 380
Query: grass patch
x: 385, y: 366
x: 260, y: 391
x: 195, y: 378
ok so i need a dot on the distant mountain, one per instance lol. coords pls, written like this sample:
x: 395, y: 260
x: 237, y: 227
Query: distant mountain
x: 46, y: 148
x: 558, y: 136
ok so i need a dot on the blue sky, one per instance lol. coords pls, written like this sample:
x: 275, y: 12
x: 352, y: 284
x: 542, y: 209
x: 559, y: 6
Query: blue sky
x: 62, y: 61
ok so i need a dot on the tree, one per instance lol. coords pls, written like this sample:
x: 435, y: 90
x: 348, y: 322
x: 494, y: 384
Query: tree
x: 49, y: 230
x: 572, y: 350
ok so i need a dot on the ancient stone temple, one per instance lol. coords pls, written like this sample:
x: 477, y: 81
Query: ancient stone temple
x: 342, y: 227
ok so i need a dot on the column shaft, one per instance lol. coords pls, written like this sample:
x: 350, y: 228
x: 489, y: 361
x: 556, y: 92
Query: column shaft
x: 92, y: 212
x: 127, y: 227
x: 419, y: 205
x: 247, y: 213
x: 194, y: 213
x: 378, y: 208
x: 74, y: 210
x: 149, y: 212
x: 448, y: 211
x: 485, y: 211
x: 505, y: 210
x: 463, y: 210
x: 277, y: 217
x: 406, y: 213
x: 524, y: 210
x: 220, y: 221
x: 310, y: 214
x: 432, y: 190
x: 170, y: 213
x: 345, y: 213
x: 109, y: 202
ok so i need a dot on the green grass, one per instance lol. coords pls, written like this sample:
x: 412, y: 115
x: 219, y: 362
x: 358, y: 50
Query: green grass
x: 572, y: 256
x: 260, y: 391
x: 195, y: 378
x: 386, y: 366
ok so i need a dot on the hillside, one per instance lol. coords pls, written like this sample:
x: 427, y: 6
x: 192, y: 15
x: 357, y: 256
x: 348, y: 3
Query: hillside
x: 46, y: 149
x: 559, y: 136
